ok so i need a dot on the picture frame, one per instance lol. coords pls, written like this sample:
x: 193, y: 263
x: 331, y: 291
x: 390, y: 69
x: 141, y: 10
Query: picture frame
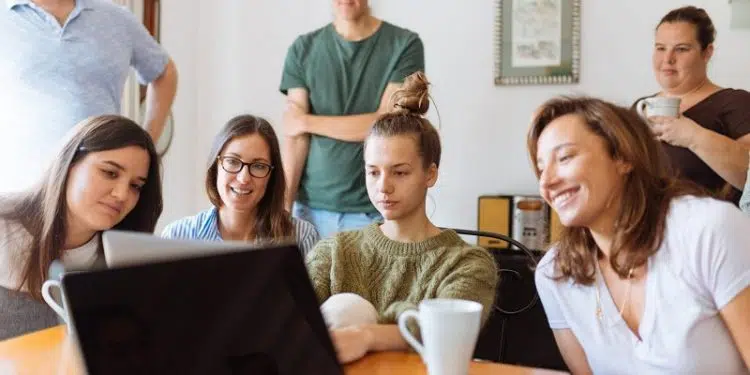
x: 537, y: 42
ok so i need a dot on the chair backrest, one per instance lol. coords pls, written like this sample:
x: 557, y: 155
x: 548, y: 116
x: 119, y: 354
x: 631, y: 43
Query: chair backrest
x: 517, y: 331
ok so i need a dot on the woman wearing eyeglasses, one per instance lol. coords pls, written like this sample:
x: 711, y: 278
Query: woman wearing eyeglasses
x: 245, y: 183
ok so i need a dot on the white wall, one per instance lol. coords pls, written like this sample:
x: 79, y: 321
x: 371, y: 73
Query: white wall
x: 230, y: 61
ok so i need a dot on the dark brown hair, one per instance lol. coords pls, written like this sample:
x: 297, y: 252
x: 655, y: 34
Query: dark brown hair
x: 273, y: 222
x: 42, y: 210
x: 705, y: 32
x: 648, y: 189
x: 409, y: 104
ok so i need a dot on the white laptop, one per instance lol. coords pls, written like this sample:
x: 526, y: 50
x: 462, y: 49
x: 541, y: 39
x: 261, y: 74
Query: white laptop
x: 123, y: 248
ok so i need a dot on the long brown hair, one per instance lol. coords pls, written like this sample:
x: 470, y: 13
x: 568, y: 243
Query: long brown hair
x: 647, y: 192
x: 273, y: 221
x: 42, y: 210
x: 409, y: 104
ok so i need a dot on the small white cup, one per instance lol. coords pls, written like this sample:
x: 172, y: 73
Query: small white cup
x: 449, y: 329
x: 658, y: 106
x: 61, y: 310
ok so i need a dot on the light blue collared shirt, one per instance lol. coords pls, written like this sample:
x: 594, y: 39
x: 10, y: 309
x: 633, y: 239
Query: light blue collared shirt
x: 52, y: 76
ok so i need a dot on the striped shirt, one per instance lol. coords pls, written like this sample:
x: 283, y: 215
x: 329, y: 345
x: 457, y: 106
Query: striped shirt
x: 205, y: 226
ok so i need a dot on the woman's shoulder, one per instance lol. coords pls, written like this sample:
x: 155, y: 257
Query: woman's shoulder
x: 733, y: 95
x: 200, y: 225
x: 700, y: 211
x: 303, y: 227
x: 696, y: 224
x: 13, y: 235
x: 14, y: 242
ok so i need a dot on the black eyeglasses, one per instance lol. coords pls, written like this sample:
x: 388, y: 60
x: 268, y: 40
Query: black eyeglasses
x: 235, y: 165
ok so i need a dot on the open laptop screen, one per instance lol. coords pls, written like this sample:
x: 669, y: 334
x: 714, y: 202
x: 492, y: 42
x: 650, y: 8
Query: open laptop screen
x: 249, y: 312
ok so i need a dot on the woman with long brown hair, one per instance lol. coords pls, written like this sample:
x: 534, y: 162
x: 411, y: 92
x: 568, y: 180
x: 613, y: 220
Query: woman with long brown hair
x: 649, y: 275
x: 106, y: 176
x: 245, y: 184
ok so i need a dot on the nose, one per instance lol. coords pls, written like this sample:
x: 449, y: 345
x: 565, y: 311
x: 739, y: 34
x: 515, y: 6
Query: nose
x: 548, y: 178
x: 385, y: 186
x: 670, y: 57
x: 244, y: 174
x: 121, y: 190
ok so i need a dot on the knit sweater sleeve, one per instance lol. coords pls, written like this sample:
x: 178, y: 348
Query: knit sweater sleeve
x: 474, y: 278
x: 319, y: 263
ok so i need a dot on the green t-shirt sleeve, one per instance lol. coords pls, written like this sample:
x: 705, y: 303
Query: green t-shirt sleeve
x: 412, y: 60
x: 293, y: 75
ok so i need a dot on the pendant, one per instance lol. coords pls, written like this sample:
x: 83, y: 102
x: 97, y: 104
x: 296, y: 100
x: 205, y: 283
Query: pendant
x: 599, y: 314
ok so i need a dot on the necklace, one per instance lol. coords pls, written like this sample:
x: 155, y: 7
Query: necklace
x: 599, y: 311
x: 696, y: 89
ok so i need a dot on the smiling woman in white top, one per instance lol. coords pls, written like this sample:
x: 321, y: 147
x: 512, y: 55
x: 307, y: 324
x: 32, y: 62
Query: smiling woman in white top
x: 649, y: 274
x: 245, y: 183
x: 105, y: 176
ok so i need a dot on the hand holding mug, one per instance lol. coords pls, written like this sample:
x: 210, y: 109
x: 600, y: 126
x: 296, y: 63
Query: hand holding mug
x: 676, y: 131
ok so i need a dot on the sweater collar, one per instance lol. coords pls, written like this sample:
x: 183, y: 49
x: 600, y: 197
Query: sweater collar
x: 375, y: 236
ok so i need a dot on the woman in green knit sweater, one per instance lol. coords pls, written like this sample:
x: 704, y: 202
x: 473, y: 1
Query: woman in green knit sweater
x: 406, y: 259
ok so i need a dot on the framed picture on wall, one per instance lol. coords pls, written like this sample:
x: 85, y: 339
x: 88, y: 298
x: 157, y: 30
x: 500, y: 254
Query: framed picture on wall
x: 537, y: 42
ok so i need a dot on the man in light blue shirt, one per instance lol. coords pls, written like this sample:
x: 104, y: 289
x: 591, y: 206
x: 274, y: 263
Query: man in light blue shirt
x: 62, y: 61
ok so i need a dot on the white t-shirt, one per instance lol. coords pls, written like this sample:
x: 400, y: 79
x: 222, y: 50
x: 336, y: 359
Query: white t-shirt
x: 702, y: 264
x: 15, y: 239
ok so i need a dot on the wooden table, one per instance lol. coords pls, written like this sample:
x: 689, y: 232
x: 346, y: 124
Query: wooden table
x: 50, y: 352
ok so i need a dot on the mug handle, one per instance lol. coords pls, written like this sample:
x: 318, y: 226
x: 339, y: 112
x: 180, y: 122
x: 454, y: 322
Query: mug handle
x: 51, y: 300
x: 402, y: 320
x: 640, y: 106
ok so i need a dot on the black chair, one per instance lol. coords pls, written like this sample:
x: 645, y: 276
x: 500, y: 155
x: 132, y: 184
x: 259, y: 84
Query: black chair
x: 517, y: 331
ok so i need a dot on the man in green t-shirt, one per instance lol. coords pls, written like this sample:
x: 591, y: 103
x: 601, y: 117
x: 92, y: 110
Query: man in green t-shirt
x: 338, y: 79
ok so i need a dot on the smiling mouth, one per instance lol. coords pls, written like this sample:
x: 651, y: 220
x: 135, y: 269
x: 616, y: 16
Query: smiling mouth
x: 239, y: 191
x: 563, y: 198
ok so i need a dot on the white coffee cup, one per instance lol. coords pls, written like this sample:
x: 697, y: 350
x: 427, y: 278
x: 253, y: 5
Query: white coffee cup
x: 61, y: 310
x: 449, y: 329
x: 658, y: 106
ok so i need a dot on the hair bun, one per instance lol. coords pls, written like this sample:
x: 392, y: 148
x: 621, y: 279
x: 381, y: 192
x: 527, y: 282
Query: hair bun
x: 413, y: 96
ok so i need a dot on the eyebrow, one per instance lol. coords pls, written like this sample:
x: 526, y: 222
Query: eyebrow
x: 556, y: 149
x: 392, y: 166
x: 238, y: 156
x: 120, y: 167
x: 682, y: 44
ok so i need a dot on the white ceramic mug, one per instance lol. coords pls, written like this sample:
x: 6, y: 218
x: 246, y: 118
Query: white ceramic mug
x: 449, y: 329
x: 658, y: 106
x: 61, y: 310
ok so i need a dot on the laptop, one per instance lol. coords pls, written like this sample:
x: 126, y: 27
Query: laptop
x: 122, y: 248
x: 237, y: 312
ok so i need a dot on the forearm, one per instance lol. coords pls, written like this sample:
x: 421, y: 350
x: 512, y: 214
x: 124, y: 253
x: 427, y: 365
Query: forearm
x: 384, y: 337
x: 352, y: 128
x: 727, y: 157
x: 159, y: 98
x: 294, y: 155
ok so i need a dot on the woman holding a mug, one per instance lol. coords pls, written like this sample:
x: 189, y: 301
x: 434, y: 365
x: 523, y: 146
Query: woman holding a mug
x: 649, y: 275
x: 708, y: 137
x: 366, y: 278
x: 106, y: 176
